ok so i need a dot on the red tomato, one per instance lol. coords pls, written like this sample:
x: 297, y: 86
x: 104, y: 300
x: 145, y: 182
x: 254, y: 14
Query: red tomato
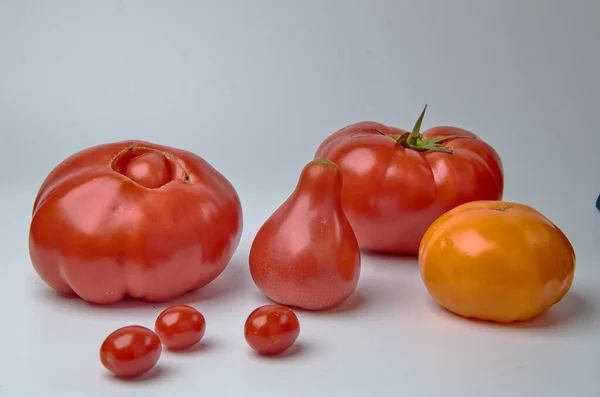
x: 271, y: 329
x: 396, y: 183
x: 130, y: 351
x: 306, y: 255
x: 133, y: 218
x: 180, y: 327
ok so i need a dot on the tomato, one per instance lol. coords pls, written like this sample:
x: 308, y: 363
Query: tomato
x: 133, y: 218
x: 396, y: 183
x: 306, y: 254
x: 130, y: 351
x: 496, y: 260
x: 180, y: 327
x: 271, y: 329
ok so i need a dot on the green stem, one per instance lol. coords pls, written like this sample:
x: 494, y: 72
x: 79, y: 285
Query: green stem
x: 324, y: 162
x: 415, y: 135
x: 414, y: 140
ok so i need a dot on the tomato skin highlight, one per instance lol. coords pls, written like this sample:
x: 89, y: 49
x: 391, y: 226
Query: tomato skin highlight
x: 179, y: 327
x: 271, y: 329
x: 133, y: 218
x: 130, y: 351
x: 392, y: 193
x: 496, y: 260
x: 306, y: 255
x: 151, y: 170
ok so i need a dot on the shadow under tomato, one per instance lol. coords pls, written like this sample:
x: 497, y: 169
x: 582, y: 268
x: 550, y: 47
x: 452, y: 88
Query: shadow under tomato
x: 357, y: 301
x: 158, y: 373
x: 200, y: 347
x: 297, y: 349
x: 376, y: 259
x: 573, y: 307
x: 228, y: 282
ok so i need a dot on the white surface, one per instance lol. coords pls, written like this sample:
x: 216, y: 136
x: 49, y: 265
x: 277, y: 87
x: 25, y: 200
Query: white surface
x: 253, y: 86
x: 389, y: 339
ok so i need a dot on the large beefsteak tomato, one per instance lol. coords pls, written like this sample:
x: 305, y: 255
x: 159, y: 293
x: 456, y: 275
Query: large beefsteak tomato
x: 133, y: 218
x: 396, y: 183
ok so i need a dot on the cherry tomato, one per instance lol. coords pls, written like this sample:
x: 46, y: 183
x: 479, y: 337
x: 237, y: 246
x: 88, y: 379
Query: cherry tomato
x: 496, y: 260
x: 306, y: 254
x: 396, y: 183
x: 180, y: 327
x: 271, y: 329
x: 130, y: 351
x: 133, y: 218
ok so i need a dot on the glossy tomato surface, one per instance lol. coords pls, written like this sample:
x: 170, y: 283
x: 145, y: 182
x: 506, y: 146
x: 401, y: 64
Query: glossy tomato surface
x: 306, y: 254
x: 180, y: 327
x: 133, y: 218
x: 271, y: 329
x: 130, y: 351
x: 497, y: 261
x: 396, y: 183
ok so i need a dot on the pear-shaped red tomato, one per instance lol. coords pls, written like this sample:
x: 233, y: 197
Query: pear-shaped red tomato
x: 306, y: 254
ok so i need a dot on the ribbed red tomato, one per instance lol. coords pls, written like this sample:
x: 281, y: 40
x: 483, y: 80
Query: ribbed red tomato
x: 396, y: 183
x: 133, y: 218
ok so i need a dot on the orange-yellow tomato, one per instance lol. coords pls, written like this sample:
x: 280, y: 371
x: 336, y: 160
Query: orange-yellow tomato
x: 496, y: 260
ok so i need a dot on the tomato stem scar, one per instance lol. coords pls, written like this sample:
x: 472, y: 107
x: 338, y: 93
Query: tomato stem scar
x: 502, y: 208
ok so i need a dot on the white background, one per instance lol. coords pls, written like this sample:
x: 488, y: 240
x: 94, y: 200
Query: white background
x: 254, y: 87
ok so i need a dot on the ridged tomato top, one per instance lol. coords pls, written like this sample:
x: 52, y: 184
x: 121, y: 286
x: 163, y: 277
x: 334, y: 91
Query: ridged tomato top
x: 377, y: 162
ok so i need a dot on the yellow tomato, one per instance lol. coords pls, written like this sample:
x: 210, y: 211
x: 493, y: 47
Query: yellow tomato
x: 496, y: 260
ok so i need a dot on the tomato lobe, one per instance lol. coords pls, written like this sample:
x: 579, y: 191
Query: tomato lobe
x: 151, y: 170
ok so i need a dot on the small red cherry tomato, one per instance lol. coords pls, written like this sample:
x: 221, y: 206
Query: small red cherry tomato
x: 130, y: 351
x: 271, y: 329
x: 180, y: 327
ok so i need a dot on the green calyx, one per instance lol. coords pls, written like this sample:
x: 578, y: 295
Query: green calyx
x: 324, y: 162
x: 414, y: 140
